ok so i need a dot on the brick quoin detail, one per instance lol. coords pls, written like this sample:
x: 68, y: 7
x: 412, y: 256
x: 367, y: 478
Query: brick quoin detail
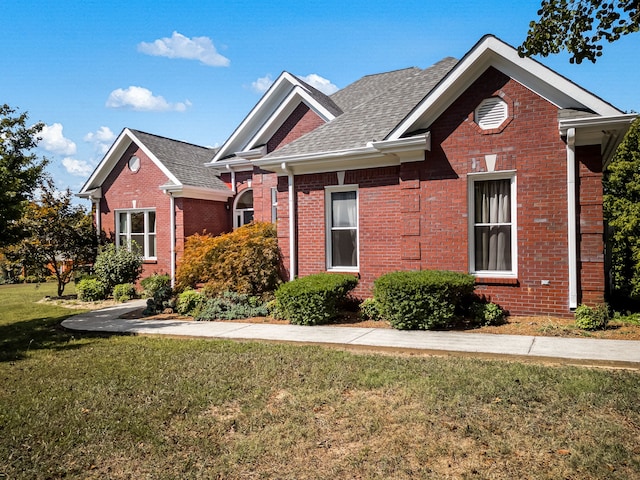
x: 415, y: 216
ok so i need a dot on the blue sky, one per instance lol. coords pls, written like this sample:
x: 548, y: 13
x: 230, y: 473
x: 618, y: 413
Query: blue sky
x: 192, y: 70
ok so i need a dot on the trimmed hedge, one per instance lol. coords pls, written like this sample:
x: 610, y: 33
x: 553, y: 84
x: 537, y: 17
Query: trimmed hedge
x: 91, y: 290
x: 315, y: 299
x: 592, y: 318
x: 124, y: 292
x: 422, y: 300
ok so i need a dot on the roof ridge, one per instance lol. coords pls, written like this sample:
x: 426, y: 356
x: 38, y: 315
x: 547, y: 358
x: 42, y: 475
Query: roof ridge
x: 171, y: 139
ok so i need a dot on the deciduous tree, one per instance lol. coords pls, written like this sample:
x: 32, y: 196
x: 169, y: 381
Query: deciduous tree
x: 580, y: 27
x: 61, y: 236
x: 622, y: 214
x: 20, y: 170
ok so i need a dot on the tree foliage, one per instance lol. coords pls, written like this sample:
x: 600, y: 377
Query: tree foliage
x: 580, y: 27
x: 622, y: 214
x: 61, y: 236
x: 20, y: 170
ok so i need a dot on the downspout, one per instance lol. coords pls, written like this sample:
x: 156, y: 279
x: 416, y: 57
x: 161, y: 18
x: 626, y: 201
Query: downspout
x: 96, y: 202
x: 571, y: 217
x: 172, y: 228
x: 292, y: 222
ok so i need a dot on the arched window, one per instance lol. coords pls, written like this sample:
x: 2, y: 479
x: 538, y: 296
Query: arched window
x: 243, y: 208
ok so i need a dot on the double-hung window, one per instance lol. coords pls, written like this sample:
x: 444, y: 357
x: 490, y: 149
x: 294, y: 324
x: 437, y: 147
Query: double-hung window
x: 492, y: 224
x: 342, y: 228
x: 137, y: 231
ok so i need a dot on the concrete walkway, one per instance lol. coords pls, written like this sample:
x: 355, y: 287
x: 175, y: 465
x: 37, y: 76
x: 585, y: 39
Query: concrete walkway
x: 579, y: 351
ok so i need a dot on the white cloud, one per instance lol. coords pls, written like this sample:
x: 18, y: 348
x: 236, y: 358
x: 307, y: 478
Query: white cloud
x: 101, y: 138
x: 142, y: 99
x: 179, y: 46
x: 52, y: 140
x: 322, y: 84
x: 262, y: 84
x: 79, y: 168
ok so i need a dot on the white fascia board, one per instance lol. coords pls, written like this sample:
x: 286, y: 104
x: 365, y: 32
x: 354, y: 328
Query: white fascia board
x: 492, y: 52
x: 115, y: 152
x: 172, y: 178
x: 231, y: 165
x: 92, y: 194
x: 281, y: 99
x: 374, y: 155
x: 196, y: 192
x: 286, y: 108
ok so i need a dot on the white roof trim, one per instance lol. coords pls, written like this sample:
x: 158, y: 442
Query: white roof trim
x: 375, y: 154
x: 492, y: 52
x: 286, y: 92
x: 114, y: 154
x: 199, y: 193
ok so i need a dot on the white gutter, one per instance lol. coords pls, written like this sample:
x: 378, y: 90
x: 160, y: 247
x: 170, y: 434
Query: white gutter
x: 172, y: 227
x: 98, y: 215
x: 292, y: 222
x: 571, y: 218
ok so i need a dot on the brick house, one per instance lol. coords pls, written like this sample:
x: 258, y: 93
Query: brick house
x: 491, y: 165
x: 155, y: 192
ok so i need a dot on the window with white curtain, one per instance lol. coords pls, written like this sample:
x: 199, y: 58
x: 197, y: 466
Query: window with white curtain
x: 342, y: 228
x: 137, y: 230
x: 492, y: 225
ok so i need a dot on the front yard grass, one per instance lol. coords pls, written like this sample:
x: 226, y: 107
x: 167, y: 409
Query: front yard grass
x: 83, y: 406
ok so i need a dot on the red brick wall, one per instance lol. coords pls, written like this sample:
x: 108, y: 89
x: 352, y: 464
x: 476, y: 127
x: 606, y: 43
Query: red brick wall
x: 590, y: 225
x: 416, y: 216
x: 122, y: 187
x: 302, y: 120
x: 199, y: 216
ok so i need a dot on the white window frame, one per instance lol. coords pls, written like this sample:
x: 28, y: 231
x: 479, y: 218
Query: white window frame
x: 329, y: 228
x: 483, y: 177
x: 238, y: 213
x: 147, y: 234
x: 274, y: 204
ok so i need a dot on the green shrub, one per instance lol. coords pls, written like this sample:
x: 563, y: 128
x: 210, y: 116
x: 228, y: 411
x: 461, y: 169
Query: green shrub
x: 370, y: 309
x: 232, y: 306
x: 157, y: 290
x: 123, y: 292
x: 246, y: 260
x: 592, y: 318
x: 488, y: 313
x: 314, y: 299
x: 422, y: 300
x: 117, y: 265
x: 189, y: 302
x: 275, y: 310
x: 91, y: 290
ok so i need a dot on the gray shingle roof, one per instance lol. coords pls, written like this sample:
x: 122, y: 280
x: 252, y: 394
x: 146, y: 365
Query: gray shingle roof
x: 373, y: 106
x: 184, y: 160
x: 323, y: 99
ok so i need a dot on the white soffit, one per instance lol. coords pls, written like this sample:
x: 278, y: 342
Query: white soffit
x: 492, y: 52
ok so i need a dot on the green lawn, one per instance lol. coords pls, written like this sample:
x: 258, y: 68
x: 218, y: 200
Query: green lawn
x: 84, y: 406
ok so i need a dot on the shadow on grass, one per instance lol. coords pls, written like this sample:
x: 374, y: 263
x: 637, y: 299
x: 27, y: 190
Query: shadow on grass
x: 18, y: 338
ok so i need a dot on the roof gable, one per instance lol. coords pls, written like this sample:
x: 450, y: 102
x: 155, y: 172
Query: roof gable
x: 493, y: 52
x: 376, y: 104
x: 182, y: 163
x: 275, y: 106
